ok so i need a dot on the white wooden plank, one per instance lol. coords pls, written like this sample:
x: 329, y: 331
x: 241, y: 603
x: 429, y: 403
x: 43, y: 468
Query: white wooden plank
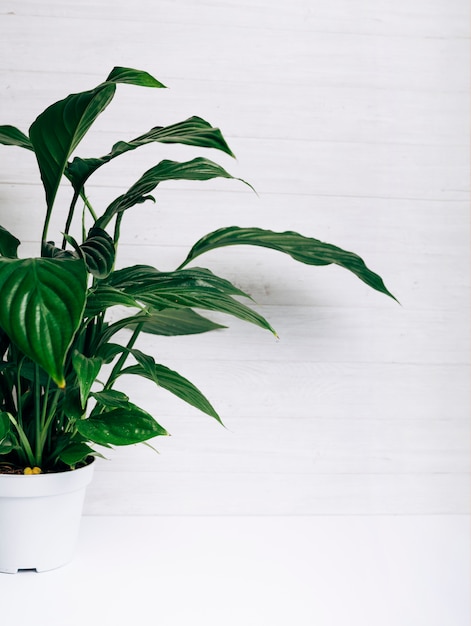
x: 303, y: 112
x: 189, y: 493
x: 269, y: 445
x: 243, y: 390
x: 323, y: 58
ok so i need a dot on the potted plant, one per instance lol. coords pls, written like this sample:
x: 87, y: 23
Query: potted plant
x: 56, y: 336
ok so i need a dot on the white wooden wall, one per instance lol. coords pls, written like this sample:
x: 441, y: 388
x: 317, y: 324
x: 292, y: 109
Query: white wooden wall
x: 350, y: 118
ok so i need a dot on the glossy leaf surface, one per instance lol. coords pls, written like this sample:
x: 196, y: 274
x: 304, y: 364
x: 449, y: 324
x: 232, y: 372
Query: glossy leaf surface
x: 303, y: 249
x: 198, y: 169
x: 193, y: 288
x: 12, y: 136
x: 42, y: 305
x: 193, y: 132
x: 120, y: 427
x: 8, y: 244
x: 59, y: 129
x: 132, y: 76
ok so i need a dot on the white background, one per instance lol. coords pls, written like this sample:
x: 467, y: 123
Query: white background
x: 350, y: 118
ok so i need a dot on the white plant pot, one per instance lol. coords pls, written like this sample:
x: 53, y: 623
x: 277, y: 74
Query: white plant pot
x: 40, y: 518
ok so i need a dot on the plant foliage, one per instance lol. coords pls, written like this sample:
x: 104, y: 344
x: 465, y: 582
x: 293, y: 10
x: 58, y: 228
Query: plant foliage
x: 56, y: 335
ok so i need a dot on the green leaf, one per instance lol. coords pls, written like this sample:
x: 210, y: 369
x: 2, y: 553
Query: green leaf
x: 133, y: 77
x: 4, y: 425
x: 120, y: 427
x: 172, y: 322
x: 59, y: 129
x: 197, y: 169
x: 99, y: 252
x: 304, y: 249
x: 193, y: 131
x: 111, y: 398
x: 8, y: 244
x: 75, y: 453
x: 11, y: 136
x: 171, y: 381
x: 103, y: 297
x: 42, y: 305
x: 87, y: 370
x: 195, y: 288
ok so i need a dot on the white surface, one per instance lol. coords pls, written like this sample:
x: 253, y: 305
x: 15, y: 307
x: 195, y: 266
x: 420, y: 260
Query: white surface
x: 351, y: 119
x: 254, y: 571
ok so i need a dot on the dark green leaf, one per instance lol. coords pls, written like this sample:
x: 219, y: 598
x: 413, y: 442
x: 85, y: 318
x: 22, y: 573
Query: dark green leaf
x: 8, y: 244
x: 133, y: 77
x: 42, y: 305
x: 4, y: 425
x: 103, y: 297
x: 172, y: 322
x: 197, y: 169
x: 301, y: 248
x: 75, y: 453
x: 111, y: 398
x: 120, y: 427
x: 171, y: 381
x: 87, y: 370
x: 60, y: 128
x: 99, y: 252
x: 193, y: 131
x: 11, y: 136
x: 195, y: 288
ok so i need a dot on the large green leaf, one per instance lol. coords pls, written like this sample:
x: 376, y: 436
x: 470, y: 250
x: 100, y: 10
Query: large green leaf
x: 131, y: 76
x: 193, y: 288
x: 59, y: 129
x: 120, y: 427
x: 196, y: 169
x: 304, y: 249
x: 171, y: 381
x: 193, y: 131
x: 8, y: 244
x: 12, y: 136
x: 42, y: 301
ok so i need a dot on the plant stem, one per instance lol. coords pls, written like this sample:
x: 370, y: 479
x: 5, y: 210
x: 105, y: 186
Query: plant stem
x: 70, y: 217
x: 37, y: 414
x: 122, y: 359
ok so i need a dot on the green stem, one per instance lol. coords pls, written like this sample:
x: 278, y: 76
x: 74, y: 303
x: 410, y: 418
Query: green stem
x: 51, y: 414
x: 122, y: 359
x: 24, y: 440
x: 37, y: 414
x: 70, y: 217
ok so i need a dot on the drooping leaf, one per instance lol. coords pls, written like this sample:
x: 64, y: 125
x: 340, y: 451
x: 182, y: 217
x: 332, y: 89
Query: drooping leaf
x: 12, y: 136
x: 171, y: 381
x: 197, y: 169
x: 133, y: 77
x: 59, y: 129
x: 41, y: 308
x: 8, y: 244
x: 193, y: 131
x: 304, y: 249
x: 120, y: 427
x: 172, y: 322
x: 87, y: 369
x: 195, y: 288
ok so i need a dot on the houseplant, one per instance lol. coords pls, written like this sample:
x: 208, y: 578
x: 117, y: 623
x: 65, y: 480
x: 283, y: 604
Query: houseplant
x: 55, y: 332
